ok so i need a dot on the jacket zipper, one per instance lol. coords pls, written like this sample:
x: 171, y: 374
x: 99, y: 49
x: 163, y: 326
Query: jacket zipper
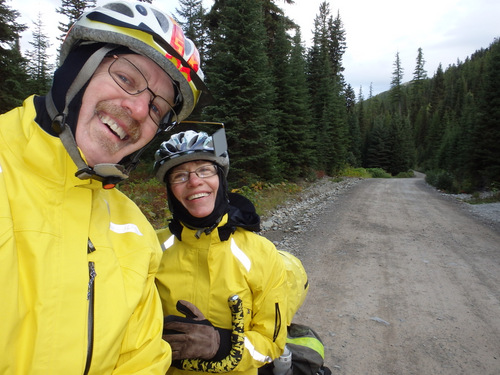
x: 90, y: 317
x: 277, y: 321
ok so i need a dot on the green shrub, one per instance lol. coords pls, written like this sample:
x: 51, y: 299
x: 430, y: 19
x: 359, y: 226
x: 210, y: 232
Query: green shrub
x: 355, y: 172
x: 408, y: 174
x: 441, y: 180
x: 378, y: 173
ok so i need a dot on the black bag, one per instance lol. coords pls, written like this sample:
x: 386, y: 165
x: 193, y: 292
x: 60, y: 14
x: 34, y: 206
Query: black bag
x: 308, y: 352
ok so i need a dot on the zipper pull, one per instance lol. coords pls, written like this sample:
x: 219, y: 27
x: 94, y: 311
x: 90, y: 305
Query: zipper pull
x: 90, y: 247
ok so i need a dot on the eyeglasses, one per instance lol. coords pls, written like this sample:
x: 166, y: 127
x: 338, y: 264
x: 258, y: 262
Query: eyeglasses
x: 204, y: 171
x: 132, y: 81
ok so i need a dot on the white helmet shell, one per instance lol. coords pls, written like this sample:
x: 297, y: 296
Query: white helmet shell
x: 187, y: 146
x: 149, y: 32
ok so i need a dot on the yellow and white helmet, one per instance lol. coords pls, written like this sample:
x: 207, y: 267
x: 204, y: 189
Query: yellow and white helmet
x: 149, y: 32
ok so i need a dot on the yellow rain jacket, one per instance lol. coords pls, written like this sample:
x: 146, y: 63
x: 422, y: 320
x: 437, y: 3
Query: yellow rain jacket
x: 206, y: 271
x: 65, y: 305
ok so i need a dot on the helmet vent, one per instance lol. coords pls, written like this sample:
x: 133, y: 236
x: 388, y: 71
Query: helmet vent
x: 189, y: 47
x: 120, y: 8
x: 162, y: 20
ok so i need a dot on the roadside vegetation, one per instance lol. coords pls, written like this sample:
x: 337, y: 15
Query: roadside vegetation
x: 150, y: 195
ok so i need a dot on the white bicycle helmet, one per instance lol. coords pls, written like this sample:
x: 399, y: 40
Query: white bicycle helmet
x: 188, y: 146
x: 148, y: 32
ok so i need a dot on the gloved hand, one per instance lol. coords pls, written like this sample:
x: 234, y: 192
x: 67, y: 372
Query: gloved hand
x: 192, y: 336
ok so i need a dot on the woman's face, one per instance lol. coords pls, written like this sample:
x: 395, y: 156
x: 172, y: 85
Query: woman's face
x: 196, y: 194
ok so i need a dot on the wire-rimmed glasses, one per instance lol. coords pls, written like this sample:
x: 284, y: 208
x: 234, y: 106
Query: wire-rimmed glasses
x: 132, y: 81
x: 204, y: 171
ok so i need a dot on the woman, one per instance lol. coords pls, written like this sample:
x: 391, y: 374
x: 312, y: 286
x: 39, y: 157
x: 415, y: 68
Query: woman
x: 211, y: 252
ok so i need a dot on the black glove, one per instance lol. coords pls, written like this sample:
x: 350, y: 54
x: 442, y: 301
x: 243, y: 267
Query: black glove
x: 192, y: 336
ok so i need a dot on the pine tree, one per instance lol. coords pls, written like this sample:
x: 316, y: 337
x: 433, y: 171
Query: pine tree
x: 396, y: 84
x: 355, y: 142
x: 12, y: 64
x: 294, y: 135
x: 402, y: 156
x: 432, y: 137
x: 191, y: 16
x: 327, y: 96
x: 274, y: 18
x: 487, y: 133
x: 192, y: 21
x: 419, y: 74
x: 336, y: 44
x: 363, y: 122
x: 72, y: 10
x: 378, y: 153
x: 238, y: 75
x: 39, y: 68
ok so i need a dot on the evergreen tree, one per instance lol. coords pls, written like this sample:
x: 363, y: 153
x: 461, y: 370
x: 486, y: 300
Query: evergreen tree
x: 327, y: 97
x: 192, y: 21
x: 436, y: 118
x: 336, y: 44
x: 418, y: 86
x: 72, y: 10
x: 363, y: 121
x: 288, y: 67
x: 419, y: 74
x: 238, y: 75
x: 378, y: 153
x: 12, y: 64
x: 487, y: 132
x: 396, y: 84
x: 274, y: 18
x: 39, y: 68
x: 355, y: 141
x: 464, y: 168
x: 402, y: 156
x: 192, y: 18
x: 300, y: 135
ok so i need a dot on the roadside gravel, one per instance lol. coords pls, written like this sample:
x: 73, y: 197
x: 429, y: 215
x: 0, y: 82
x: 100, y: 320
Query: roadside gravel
x: 287, y: 221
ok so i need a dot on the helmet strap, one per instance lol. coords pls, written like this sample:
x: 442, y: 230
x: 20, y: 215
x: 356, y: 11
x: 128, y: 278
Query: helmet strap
x: 108, y: 174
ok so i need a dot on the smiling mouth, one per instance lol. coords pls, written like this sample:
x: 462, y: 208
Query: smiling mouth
x: 114, y: 127
x: 196, y: 196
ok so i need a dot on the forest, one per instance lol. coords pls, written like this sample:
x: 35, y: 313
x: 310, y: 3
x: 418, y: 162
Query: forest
x: 288, y: 112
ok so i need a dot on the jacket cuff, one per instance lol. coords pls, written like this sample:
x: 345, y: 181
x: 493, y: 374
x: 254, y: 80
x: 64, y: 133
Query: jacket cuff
x: 224, y: 345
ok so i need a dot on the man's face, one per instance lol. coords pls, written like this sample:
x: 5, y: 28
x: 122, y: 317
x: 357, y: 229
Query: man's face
x: 112, y: 123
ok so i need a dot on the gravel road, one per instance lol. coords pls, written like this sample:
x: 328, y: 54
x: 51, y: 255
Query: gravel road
x: 403, y: 279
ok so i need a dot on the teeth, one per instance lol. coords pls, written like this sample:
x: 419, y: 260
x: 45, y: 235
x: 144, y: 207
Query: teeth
x: 114, y: 126
x: 200, y: 195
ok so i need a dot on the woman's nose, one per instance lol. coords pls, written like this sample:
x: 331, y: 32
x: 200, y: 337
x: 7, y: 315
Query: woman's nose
x: 194, y: 179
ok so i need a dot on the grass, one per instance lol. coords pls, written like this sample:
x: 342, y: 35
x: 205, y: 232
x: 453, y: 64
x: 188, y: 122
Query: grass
x: 477, y: 199
x: 266, y: 197
x: 149, y: 194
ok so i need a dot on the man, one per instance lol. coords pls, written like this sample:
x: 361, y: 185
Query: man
x: 77, y: 258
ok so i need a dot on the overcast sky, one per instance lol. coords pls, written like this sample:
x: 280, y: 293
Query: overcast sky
x: 446, y: 30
